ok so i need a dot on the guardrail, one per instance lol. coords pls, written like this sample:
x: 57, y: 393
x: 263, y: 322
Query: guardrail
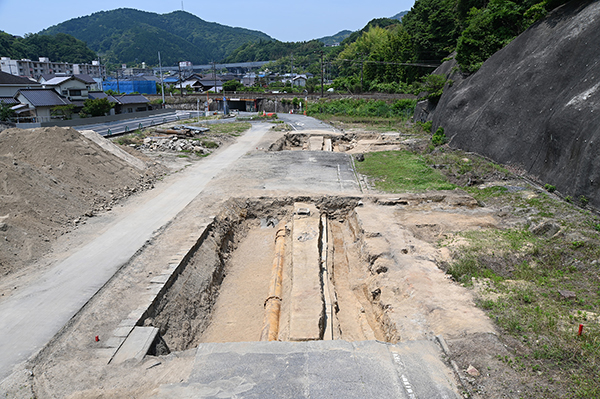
x: 113, y: 131
x: 104, y: 119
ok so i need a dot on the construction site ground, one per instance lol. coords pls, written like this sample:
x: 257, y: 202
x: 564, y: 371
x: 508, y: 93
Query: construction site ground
x: 200, y: 276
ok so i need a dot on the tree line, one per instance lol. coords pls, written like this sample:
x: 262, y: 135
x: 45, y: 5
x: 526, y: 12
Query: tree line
x: 376, y: 57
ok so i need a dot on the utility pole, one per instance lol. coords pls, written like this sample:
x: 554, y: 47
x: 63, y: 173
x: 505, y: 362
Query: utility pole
x: 321, y: 73
x: 162, y: 83
x: 292, y: 72
x: 101, y: 76
x: 362, y: 68
x: 215, y: 76
x: 180, y: 82
x: 118, y: 88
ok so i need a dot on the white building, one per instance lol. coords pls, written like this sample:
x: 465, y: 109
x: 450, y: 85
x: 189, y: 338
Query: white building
x: 34, y: 69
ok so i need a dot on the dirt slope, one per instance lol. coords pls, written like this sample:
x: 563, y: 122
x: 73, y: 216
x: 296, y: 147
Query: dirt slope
x: 536, y: 103
x: 52, y: 179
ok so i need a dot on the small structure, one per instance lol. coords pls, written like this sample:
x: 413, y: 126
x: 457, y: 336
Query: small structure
x: 299, y: 80
x: 38, y: 103
x: 130, y: 103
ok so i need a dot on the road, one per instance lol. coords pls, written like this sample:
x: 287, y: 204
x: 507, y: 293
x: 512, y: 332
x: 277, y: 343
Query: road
x: 30, y: 318
x: 117, y: 127
x: 301, y: 122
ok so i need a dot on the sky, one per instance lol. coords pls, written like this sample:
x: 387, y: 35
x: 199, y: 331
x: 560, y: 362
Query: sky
x: 293, y: 21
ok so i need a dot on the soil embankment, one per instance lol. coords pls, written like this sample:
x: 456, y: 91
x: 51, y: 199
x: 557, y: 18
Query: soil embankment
x: 52, y: 179
x: 536, y: 103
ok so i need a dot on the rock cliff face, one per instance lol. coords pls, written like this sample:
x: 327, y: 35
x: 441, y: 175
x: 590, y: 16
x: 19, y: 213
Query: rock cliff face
x: 536, y: 103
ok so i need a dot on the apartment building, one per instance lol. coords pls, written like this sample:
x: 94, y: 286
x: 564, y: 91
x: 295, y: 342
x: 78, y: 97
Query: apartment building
x: 35, y: 69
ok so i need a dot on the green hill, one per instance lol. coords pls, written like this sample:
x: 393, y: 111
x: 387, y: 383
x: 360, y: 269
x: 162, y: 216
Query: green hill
x: 59, y: 47
x: 399, y: 15
x: 337, y: 38
x: 126, y: 35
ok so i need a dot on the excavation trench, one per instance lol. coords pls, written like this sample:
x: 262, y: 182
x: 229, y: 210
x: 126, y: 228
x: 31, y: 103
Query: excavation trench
x: 286, y: 269
x: 338, y: 142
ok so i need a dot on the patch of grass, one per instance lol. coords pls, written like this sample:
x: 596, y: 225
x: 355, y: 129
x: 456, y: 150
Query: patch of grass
x: 371, y: 123
x: 402, y: 171
x: 525, y: 273
x: 209, y: 144
x: 137, y: 138
x: 259, y: 117
x: 233, y: 129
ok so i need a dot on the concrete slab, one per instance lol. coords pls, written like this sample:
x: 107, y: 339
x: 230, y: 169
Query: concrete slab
x: 327, y: 145
x: 113, y: 342
x: 136, y: 345
x: 130, y: 321
x: 122, y: 331
x: 319, y: 369
x: 154, y: 289
x: 161, y: 279
x: 315, y: 143
x: 292, y: 172
x: 306, y: 303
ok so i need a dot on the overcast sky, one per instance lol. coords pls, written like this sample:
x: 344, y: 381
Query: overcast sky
x: 285, y: 21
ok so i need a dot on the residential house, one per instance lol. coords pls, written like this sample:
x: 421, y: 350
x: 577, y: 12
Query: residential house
x: 11, y: 84
x: 129, y: 103
x: 94, y: 84
x: 249, y: 79
x: 202, y: 83
x: 75, y: 89
x: 38, y: 103
x: 299, y: 80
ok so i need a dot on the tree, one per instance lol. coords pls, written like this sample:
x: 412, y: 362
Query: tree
x: 97, y: 107
x: 63, y: 110
x: 6, y: 112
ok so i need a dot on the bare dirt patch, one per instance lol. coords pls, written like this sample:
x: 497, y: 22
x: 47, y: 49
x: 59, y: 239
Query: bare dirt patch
x: 53, y: 179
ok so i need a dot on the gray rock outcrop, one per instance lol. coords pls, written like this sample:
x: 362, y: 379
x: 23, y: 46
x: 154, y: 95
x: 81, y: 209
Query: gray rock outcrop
x: 536, y: 103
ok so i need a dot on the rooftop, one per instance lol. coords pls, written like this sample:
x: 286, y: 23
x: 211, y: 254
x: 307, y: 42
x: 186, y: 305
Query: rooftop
x: 8, y: 79
x: 43, y: 97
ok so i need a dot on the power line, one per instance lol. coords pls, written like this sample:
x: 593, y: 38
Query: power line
x: 389, y: 63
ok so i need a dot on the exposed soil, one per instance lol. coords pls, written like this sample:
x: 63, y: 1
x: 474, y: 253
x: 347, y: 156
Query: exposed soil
x: 54, y: 179
x: 385, y: 264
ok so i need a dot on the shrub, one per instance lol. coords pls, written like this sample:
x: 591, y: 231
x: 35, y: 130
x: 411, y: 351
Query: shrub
x: 426, y: 126
x: 550, y: 188
x: 439, y: 137
x: 434, y: 86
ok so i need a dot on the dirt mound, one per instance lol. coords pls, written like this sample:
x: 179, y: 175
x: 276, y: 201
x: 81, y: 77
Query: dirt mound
x: 535, y: 103
x: 51, y: 179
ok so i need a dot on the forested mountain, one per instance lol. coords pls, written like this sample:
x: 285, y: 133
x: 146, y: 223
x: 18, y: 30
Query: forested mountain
x: 272, y: 50
x: 337, y: 38
x: 429, y: 33
x: 131, y: 36
x: 399, y: 15
x: 59, y: 48
x: 377, y: 22
x: 376, y: 57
